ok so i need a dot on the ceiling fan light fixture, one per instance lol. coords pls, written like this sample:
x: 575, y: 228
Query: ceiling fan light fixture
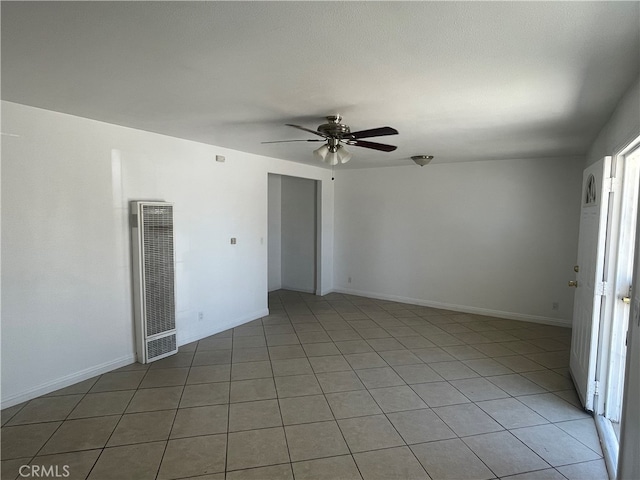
x: 322, y: 152
x: 422, y: 160
x: 332, y: 158
x: 343, y: 155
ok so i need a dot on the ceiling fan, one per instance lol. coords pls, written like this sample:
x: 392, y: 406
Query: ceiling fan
x: 336, y: 135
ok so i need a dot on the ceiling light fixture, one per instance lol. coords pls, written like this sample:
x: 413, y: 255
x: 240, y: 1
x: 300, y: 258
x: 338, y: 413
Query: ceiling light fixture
x: 332, y: 154
x: 322, y: 152
x: 422, y: 160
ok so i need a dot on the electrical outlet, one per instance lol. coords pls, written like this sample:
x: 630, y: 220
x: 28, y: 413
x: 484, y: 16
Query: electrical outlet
x: 555, y: 306
x: 200, y: 315
x: 233, y: 240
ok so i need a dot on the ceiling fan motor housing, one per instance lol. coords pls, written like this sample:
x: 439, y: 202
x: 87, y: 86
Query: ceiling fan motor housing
x: 334, y: 128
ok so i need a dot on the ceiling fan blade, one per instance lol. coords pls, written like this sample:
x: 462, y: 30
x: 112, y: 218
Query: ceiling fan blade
x: 284, y: 141
x: 376, y: 146
x: 306, y: 130
x: 374, y: 132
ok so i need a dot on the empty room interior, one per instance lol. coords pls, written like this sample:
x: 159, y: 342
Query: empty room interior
x: 320, y: 240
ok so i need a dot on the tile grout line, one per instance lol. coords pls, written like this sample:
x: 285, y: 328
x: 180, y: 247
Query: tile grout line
x: 226, y: 450
x: 117, y: 423
x: 166, y: 443
x: 65, y: 419
x: 324, y: 395
x: 273, y: 378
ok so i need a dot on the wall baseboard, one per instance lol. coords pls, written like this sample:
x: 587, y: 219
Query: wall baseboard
x: 459, y: 308
x: 106, y: 367
x: 296, y: 289
x: 225, y: 326
x: 68, y: 380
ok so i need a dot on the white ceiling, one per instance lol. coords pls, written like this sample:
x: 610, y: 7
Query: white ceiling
x: 459, y: 80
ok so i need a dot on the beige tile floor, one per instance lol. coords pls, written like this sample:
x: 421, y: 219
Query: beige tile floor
x: 334, y: 387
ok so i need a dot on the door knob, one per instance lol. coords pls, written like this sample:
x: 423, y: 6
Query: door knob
x: 573, y: 283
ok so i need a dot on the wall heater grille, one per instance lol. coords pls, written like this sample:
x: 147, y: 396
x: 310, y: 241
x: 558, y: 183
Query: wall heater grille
x: 160, y: 346
x: 154, y: 279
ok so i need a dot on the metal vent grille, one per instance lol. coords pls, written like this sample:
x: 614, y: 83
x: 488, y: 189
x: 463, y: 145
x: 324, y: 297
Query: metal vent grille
x: 160, y: 346
x: 157, y: 224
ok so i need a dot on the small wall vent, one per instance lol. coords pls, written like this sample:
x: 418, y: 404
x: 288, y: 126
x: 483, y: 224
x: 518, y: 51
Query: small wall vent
x: 153, y: 280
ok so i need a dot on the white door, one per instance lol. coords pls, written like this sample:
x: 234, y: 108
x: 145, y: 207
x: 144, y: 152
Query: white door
x: 590, y: 286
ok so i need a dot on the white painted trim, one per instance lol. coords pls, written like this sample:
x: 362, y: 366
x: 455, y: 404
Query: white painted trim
x: 609, y: 444
x: 68, y: 380
x: 225, y: 326
x: 301, y: 290
x: 318, y: 240
x: 460, y: 308
x: 324, y: 292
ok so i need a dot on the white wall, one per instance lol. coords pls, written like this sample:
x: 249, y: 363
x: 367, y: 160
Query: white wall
x: 275, y: 232
x: 66, y: 296
x: 493, y: 237
x: 298, y: 234
x: 622, y: 127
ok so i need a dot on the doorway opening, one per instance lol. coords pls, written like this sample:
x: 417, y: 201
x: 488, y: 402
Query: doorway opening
x: 293, y: 234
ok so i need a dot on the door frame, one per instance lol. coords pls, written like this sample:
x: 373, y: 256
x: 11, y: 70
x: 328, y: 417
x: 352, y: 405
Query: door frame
x: 618, y: 269
x: 610, y: 370
x: 621, y: 271
x: 318, y: 225
x: 629, y: 462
